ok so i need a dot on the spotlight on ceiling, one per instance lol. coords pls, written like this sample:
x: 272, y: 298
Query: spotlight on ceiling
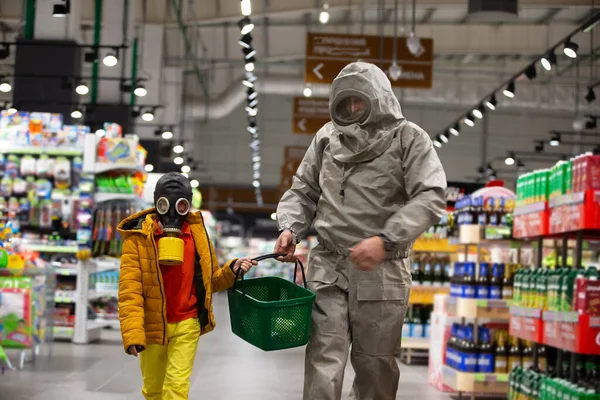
x: 178, y: 160
x: 140, y: 90
x: 100, y: 132
x: 246, y: 7
x: 590, y: 96
x: 454, y: 130
x: 324, y: 14
x: 491, y: 102
x: 307, y: 91
x: 149, y: 167
x: 246, y: 41
x: 437, y: 143
x: 245, y: 25
x: 478, y: 112
x: 194, y: 183
x: 549, y: 60
x: 470, y: 120
x: 186, y: 169
x: 178, y: 148
x: 76, y: 113
x: 5, y: 86
x: 110, y: 59
x: 249, y: 81
x: 570, y: 49
x: 510, y: 159
x: 167, y: 134
x: 82, y: 89
x: 61, y: 10
x: 555, y: 140
x: 148, y: 115
x: 443, y: 137
x: 248, y: 52
x: 509, y: 91
x: 531, y: 72
x: 250, y: 64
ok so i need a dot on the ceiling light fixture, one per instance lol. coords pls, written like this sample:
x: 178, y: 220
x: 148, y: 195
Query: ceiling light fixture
x: 250, y: 64
x: 178, y: 149
x: 307, y: 91
x: 246, y: 41
x: 168, y: 134
x: 469, y: 120
x: 140, y: 90
x: 5, y: 86
x: 194, y: 183
x: 148, y: 115
x: 555, y: 140
x: 246, y: 7
x: 61, y: 10
x: 531, y: 72
x: 324, y: 14
x: 478, y: 112
x: 510, y: 90
x: 549, y: 60
x: 437, y: 143
x: 149, y: 167
x: 454, y: 130
x: 570, y: 49
x: 76, y: 113
x: 100, y: 132
x: 186, y: 169
x: 110, y: 59
x: 491, y: 102
x: 510, y: 159
x: 443, y: 138
x: 590, y: 96
x: 178, y: 160
x: 245, y: 25
x: 82, y: 89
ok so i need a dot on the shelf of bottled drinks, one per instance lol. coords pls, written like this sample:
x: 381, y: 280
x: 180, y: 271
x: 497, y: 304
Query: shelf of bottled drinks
x: 558, y: 309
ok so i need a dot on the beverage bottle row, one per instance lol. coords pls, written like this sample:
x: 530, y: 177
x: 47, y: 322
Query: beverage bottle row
x: 533, y: 384
x: 477, y: 211
x: 431, y: 270
x: 488, y: 355
x: 557, y: 289
x: 418, y: 323
x: 495, y: 281
x: 532, y: 187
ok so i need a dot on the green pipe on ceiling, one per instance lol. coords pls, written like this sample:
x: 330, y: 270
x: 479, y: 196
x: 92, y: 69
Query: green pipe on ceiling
x: 29, y: 19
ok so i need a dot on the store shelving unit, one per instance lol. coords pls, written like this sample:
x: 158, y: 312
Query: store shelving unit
x: 475, y: 309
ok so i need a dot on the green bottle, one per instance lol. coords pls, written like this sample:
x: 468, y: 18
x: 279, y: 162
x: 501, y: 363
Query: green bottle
x: 525, y: 287
x: 517, y: 286
x: 562, y: 280
x: 567, y: 289
x: 542, y: 289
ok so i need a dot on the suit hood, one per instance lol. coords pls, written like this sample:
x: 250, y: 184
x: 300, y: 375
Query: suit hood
x: 368, y: 137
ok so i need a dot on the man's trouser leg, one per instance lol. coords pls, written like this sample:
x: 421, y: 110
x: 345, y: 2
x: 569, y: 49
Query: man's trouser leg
x: 378, y: 305
x: 171, y: 365
x: 328, y: 347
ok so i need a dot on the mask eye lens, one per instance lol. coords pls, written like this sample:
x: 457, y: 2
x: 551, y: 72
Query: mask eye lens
x: 162, y: 205
x: 182, y: 206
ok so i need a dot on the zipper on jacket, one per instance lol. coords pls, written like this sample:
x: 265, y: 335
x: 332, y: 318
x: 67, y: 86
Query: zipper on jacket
x: 345, y: 175
x: 162, y: 294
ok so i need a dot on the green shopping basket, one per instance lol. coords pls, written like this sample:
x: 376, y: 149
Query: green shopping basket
x: 270, y: 312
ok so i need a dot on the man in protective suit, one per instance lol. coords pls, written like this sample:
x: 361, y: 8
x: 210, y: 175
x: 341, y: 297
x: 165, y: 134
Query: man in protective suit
x: 372, y: 183
x: 169, y: 273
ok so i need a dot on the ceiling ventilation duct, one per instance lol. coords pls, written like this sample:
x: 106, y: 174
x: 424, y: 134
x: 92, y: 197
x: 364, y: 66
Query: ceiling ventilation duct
x: 493, y: 10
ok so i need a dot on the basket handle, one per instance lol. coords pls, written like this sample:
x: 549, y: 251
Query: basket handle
x: 239, y: 275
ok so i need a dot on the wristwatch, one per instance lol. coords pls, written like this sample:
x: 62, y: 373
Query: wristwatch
x: 388, y: 245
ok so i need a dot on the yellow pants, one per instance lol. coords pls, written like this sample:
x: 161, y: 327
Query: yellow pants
x: 166, y: 369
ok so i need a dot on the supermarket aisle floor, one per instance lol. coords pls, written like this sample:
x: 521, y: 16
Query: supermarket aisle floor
x: 226, y: 368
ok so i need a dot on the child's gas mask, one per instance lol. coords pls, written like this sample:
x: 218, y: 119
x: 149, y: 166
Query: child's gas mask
x: 172, y: 199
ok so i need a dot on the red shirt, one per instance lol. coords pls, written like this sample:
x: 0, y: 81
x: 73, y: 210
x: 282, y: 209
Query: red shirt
x: 178, y: 280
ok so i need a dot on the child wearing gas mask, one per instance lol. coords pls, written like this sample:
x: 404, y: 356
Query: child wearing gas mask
x: 169, y: 273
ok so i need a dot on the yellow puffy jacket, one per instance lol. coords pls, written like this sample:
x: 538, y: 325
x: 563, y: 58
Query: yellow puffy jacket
x: 142, y: 309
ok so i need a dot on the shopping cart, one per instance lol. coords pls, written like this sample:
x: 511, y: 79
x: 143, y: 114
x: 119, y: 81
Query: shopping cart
x: 270, y: 312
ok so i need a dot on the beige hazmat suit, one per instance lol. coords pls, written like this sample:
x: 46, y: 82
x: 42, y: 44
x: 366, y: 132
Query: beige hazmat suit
x: 364, y: 175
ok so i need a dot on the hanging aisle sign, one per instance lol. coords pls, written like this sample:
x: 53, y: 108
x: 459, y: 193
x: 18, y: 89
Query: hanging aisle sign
x: 310, y: 114
x: 327, y: 54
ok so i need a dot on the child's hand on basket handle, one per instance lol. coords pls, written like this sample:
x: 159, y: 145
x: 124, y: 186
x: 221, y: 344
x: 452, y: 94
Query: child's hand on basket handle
x: 245, y: 264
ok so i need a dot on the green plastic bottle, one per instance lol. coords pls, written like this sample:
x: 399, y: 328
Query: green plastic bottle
x: 562, y: 280
x: 525, y: 287
x: 568, y: 288
x: 517, y: 286
x: 542, y: 289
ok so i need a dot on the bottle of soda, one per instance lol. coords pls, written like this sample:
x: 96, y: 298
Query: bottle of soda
x: 514, y: 354
x: 456, y: 280
x: 470, y: 350
x: 568, y: 288
x: 417, y: 277
x: 427, y: 271
x: 501, y: 359
x: 527, y: 355
x: 451, y: 347
x: 485, y: 351
x: 496, y: 281
x: 438, y: 271
x: 447, y: 271
x: 481, y: 212
x: 483, y: 282
x: 507, y: 282
x: 468, y: 282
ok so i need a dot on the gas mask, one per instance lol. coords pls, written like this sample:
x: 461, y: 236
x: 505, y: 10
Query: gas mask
x: 350, y: 107
x: 172, y: 199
